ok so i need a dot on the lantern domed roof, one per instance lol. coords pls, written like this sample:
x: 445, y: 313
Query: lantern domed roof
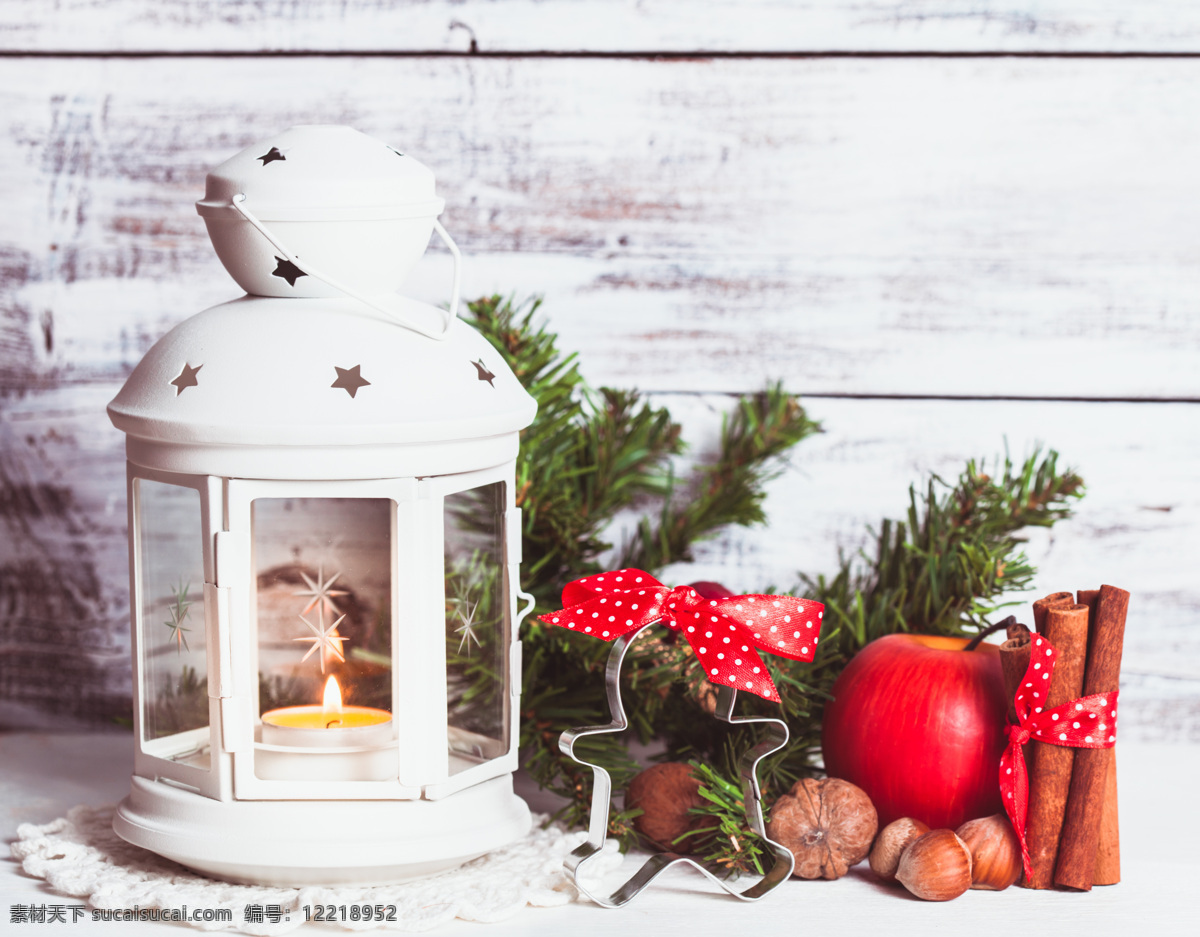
x: 321, y: 172
x: 314, y: 198
x: 319, y: 388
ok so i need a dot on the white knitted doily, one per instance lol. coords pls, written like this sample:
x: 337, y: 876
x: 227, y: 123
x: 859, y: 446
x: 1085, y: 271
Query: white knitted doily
x: 79, y: 855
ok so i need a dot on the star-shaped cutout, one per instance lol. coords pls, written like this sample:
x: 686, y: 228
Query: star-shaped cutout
x: 187, y: 378
x: 349, y: 379
x: 467, y: 629
x: 484, y: 373
x: 288, y: 270
x: 321, y: 594
x: 326, y: 639
x: 271, y: 155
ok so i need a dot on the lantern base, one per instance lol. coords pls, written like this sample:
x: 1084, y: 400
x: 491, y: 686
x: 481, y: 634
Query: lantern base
x: 327, y: 842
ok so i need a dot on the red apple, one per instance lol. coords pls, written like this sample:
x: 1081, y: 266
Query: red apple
x: 918, y: 723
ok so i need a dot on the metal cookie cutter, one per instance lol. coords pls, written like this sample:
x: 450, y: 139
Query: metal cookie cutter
x: 660, y: 862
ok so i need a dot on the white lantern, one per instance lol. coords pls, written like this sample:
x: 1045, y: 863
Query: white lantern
x: 323, y: 542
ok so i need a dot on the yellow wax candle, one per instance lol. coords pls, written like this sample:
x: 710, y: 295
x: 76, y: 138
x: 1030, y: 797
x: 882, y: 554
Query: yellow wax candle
x: 316, y: 717
x: 329, y: 725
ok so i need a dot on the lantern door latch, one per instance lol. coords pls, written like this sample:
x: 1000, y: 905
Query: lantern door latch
x: 232, y: 556
x: 512, y: 530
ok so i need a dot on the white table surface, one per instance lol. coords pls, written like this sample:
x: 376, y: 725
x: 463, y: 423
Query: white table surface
x: 43, y: 775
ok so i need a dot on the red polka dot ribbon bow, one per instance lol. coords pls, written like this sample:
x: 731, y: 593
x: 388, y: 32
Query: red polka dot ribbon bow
x: 1088, y: 722
x: 723, y: 632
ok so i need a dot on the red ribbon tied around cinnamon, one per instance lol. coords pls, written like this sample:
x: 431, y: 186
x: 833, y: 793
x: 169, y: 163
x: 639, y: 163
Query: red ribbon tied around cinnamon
x: 1087, y: 722
x: 722, y: 632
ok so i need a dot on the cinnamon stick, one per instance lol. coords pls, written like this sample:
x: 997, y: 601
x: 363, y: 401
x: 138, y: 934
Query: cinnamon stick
x: 1085, y: 805
x: 1108, y: 851
x: 1088, y: 597
x: 1014, y: 661
x: 1050, y: 772
x: 1041, y: 606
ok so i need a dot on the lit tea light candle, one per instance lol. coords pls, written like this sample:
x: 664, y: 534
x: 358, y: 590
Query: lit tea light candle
x: 329, y: 725
x: 335, y: 741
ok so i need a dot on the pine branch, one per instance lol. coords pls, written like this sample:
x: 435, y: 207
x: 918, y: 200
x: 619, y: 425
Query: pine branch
x: 589, y: 454
x: 586, y: 456
x: 942, y: 570
x: 754, y: 439
x: 724, y: 841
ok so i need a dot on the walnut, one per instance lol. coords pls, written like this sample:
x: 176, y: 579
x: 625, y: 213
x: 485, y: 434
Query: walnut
x: 664, y: 793
x: 828, y: 825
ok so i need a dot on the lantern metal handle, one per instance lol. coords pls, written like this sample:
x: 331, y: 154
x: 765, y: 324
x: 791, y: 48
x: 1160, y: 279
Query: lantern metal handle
x: 776, y: 739
x: 448, y: 315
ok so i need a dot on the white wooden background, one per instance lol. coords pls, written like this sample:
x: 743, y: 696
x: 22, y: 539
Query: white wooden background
x: 951, y: 226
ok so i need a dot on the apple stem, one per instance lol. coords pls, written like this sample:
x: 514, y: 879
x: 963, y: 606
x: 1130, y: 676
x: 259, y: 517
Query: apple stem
x: 990, y: 629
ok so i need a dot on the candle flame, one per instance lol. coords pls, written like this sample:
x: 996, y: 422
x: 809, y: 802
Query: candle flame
x: 332, y: 702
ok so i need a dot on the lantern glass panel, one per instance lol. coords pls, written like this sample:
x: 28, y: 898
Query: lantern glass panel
x: 171, y: 606
x: 477, y: 626
x: 323, y: 600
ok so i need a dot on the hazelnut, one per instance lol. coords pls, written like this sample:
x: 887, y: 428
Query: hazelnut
x: 892, y: 840
x: 936, y: 866
x: 995, y: 852
x: 828, y: 825
x: 664, y: 793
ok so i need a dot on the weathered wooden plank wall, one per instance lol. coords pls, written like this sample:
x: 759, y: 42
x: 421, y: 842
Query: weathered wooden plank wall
x: 848, y: 197
x: 603, y: 26
x: 843, y: 224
